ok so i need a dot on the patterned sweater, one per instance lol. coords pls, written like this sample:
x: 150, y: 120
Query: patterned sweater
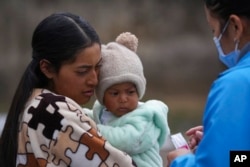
x: 55, y: 131
x: 140, y: 133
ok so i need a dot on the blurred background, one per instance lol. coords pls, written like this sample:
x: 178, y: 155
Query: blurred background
x: 175, y: 46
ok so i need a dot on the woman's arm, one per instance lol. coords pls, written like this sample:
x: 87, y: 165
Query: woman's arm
x: 56, y: 131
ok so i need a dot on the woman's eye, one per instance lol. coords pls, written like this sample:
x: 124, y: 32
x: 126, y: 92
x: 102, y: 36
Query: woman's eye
x: 81, y: 72
x: 97, y: 68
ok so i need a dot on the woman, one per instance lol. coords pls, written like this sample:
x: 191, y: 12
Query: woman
x: 46, y: 125
x: 226, y: 116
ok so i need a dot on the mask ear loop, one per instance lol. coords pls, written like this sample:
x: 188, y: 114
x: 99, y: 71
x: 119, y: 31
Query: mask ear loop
x: 236, y: 50
x: 223, y: 30
x: 236, y: 41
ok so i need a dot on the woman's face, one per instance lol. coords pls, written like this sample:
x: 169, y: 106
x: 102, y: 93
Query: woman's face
x: 227, y: 40
x: 78, y: 79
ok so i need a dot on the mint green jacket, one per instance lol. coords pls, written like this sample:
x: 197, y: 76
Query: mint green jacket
x: 140, y: 133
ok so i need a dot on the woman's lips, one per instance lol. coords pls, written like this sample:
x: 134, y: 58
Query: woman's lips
x: 89, y: 93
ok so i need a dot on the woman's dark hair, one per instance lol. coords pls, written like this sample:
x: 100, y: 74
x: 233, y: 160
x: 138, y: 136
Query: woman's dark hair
x: 224, y: 8
x: 57, y: 39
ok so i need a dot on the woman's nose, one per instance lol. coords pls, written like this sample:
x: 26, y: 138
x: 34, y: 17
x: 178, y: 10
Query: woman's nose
x: 93, y: 78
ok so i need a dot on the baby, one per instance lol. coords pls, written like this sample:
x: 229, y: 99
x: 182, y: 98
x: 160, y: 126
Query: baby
x: 137, y: 128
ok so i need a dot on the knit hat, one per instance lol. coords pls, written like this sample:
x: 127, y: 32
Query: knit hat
x: 120, y: 63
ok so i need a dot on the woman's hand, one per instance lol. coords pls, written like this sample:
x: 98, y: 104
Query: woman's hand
x: 195, y: 135
x: 178, y: 152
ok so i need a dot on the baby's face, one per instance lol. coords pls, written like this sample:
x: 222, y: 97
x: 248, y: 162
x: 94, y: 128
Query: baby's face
x: 121, y: 98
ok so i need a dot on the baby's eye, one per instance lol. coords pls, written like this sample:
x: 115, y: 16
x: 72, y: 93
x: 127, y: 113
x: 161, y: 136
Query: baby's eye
x: 114, y: 93
x: 132, y: 92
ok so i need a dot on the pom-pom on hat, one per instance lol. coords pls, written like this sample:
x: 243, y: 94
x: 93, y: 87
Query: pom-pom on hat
x: 120, y: 64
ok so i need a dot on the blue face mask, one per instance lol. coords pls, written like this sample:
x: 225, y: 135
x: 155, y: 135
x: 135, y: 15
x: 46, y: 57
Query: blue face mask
x: 231, y: 58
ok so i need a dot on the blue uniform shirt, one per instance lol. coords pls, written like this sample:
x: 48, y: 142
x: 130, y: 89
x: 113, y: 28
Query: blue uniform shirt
x: 226, y: 118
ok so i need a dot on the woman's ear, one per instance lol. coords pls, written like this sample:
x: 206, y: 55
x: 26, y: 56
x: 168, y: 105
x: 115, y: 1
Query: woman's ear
x: 238, y: 26
x: 46, y: 68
